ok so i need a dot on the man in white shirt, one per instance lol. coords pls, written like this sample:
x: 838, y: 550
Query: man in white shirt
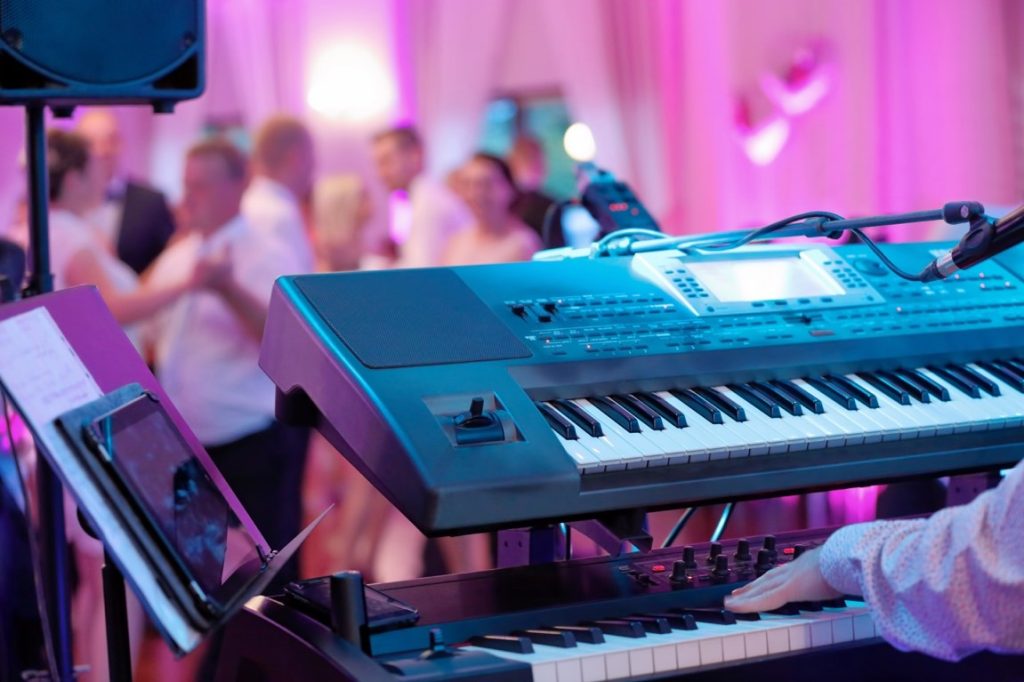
x: 282, y: 165
x: 432, y: 213
x: 207, y: 344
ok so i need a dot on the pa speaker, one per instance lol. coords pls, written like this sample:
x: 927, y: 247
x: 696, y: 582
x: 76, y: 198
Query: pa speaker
x: 67, y: 52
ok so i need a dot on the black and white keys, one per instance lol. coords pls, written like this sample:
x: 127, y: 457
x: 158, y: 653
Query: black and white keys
x: 639, y: 651
x: 774, y: 417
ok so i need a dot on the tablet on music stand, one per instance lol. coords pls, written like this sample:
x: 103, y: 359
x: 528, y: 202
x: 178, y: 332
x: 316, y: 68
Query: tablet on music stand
x: 149, y: 491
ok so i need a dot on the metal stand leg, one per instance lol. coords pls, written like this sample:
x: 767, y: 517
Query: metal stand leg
x: 115, y: 609
x: 53, y: 548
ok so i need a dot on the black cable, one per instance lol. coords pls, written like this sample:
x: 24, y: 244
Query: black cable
x: 51, y: 655
x: 882, y: 257
x: 684, y: 518
x: 763, y: 232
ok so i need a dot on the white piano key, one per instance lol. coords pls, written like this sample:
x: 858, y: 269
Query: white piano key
x: 609, y: 447
x: 645, y: 447
x: 957, y: 415
x: 893, y: 428
x: 715, y: 441
x: 854, y: 431
x: 710, y: 644
x: 761, y: 423
x: 1011, y: 402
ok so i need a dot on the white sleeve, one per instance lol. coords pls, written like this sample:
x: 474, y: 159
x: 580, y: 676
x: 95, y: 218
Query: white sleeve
x: 949, y: 585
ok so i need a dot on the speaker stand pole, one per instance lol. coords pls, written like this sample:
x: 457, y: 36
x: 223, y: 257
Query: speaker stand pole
x: 53, y: 546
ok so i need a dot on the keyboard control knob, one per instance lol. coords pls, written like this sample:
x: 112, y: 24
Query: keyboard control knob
x: 743, y: 550
x: 765, y: 561
x: 689, y: 557
x: 679, y: 572
x: 720, y: 573
x: 715, y: 551
x: 769, y: 544
x: 798, y: 550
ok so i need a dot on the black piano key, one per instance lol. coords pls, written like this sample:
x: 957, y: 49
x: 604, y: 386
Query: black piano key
x: 1003, y: 375
x: 1011, y: 369
x: 782, y: 399
x: 916, y: 392
x: 762, y: 402
x: 1010, y: 366
x: 786, y: 610
x: 837, y: 603
x: 679, y: 621
x: 833, y: 392
x: 885, y: 387
x: 861, y: 394
x: 562, y: 639
x: 664, y: 408
x: 653, y: 624
x: 722, y: 402
x: 510, y: 643
x: 640, y: 410
x: 699, y: 404
x: 956, y: 381
x: 579, y: 416
x: 583, y: 633
x: 746, y: 616
x: 972, y: 377
x: 620, y: 628
x: 1017, y: 362
x: 718, y: 616
x: 556, y: 421
x: 934, y: 389
x: 616, y: 413
x: 811, y: 606
x: 800, y: 395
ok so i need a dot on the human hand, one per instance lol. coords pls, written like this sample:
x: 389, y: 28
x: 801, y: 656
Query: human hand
x: 799, y: 580
x: 212, y: 272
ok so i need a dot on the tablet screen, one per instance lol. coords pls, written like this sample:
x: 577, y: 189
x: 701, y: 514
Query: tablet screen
x: 177, y: 494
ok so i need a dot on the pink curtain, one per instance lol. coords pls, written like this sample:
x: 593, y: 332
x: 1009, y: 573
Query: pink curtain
x: 917, y: 106
x: 456, y: 46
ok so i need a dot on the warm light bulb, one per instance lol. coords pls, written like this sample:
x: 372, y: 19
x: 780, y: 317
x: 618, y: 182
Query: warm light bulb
x: 579, y: 143
x: 350, y: 82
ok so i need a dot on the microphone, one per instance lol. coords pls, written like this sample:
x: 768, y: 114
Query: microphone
x: 986, y: 238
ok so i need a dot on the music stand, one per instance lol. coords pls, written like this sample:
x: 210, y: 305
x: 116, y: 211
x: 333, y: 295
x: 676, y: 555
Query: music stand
x: 64, y: 354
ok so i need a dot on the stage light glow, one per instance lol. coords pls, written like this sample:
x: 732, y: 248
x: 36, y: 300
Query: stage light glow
x: 350, y: 82
x: 579, y: 143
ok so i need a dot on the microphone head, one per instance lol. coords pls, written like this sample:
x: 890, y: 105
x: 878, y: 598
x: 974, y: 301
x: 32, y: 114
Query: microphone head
x: 962, y: 211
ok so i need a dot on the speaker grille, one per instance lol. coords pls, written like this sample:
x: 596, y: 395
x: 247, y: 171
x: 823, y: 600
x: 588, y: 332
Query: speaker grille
x: 106, y: 43
x: 410, y: 318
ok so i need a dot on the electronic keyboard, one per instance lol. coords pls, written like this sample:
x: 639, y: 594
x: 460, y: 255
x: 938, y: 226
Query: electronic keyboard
x: 519, y: 394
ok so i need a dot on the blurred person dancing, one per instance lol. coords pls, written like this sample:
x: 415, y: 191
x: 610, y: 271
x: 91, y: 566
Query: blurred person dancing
x: 283, y: 162
x: 133, y: 217
x: 429, y: 214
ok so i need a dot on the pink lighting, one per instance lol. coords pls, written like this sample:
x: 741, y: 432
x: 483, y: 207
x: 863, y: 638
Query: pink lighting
x: 763, y: 139
x: 350, y: 82
x: 807, y: 80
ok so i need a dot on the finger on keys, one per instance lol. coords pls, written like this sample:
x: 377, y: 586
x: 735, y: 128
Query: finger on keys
x: 800, y: 580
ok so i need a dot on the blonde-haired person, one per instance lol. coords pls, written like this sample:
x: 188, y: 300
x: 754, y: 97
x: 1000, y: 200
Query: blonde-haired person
x: 342, y: 209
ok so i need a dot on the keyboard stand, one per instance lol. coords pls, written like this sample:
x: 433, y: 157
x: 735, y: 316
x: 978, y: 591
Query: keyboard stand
x: 543, y: 544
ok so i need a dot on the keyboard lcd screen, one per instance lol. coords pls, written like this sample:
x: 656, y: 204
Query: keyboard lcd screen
x: 764, y: 279
x: 175, y: 491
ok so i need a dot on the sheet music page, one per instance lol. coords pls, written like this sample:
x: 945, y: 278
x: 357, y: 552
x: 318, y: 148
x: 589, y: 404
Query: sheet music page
x: 40, y: 369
